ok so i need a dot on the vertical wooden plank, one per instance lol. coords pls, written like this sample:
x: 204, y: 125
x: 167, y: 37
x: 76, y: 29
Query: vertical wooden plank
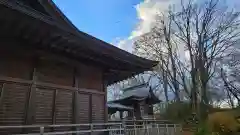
x: 26, y: 120
x: 1, y: 99
x: 98, y: 108
x: 2, y: 92
x: 54, y: 107
x: 29, y: 114
x: 90, y: 108
x: 64, y: 109
x: 105, y: 100
x: 75, y: 109
x: 30, y: 103
x: 75, y: 98
x: 30, y: 108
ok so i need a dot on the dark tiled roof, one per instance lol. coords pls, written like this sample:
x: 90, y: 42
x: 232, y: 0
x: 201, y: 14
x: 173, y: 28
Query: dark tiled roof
x: 138, y: 93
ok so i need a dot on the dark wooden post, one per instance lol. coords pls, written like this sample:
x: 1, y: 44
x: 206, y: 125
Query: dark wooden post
x: 90, y: 109
x: 121, y: 114
x: 30, y: 107
x: 75, y: 107
x: 150, y: 110
x: 54, y: 108
x: 1, y: 94
x: 105, y: 100
x: 137, y: 111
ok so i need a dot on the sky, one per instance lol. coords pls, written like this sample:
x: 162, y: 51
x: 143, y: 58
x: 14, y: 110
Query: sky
x: 107, y: 20
x: 114, y: 21
x: 118, y: 22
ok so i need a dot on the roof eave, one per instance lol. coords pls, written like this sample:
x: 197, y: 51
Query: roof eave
x: 96, y: 45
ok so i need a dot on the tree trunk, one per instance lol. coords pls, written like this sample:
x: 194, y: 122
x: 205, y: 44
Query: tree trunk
x: 194, y: 91
x: 165, y: 86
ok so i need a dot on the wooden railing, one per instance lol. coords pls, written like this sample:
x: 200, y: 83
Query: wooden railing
x: 123, y: 128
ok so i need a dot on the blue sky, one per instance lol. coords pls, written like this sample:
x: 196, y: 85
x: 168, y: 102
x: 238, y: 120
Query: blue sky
x: 107, y: 20
x: 118, y: 22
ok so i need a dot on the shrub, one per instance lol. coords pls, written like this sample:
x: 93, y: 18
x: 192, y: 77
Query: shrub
x: 223, y: 123
x: 202, y: 130
x: 177, y: 111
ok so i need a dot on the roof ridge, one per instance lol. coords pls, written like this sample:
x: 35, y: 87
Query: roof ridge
x: 134, y: 86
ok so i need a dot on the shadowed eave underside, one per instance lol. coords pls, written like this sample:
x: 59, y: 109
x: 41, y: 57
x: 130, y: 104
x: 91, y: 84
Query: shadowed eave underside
x: 43, y: 23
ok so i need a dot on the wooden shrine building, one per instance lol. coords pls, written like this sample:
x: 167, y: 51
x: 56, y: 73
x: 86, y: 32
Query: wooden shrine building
x: 52, y: 73
x: 139, y: 97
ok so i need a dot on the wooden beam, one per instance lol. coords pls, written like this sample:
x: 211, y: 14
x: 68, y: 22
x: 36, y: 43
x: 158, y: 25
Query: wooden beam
x: 15, y: 80
x: 50, y: 85
x: 34, y: 35
x: 85, y: 55
x: 55, y: 41
x: 61, y: 87
x: 45, y: 39
x: 67, y: 60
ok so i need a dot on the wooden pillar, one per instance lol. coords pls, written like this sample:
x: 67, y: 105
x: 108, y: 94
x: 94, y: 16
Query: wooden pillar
x: 30, y: 107
x: 130, y: 114
x: 121, y: 114
x: 1, y: 94
x: 75, y: 118
x: 90, y: 109
x: 150, y: 110
x: 54, y: 107
x: 105, y: 100
x: 75, y: 107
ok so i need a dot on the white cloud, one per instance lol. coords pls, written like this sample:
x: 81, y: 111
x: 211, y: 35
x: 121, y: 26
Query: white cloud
x: 146, y: 11
x: 126, y: 45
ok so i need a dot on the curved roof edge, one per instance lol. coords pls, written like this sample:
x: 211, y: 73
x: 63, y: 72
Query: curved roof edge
x: 132, y: 64
x: 106, y: 46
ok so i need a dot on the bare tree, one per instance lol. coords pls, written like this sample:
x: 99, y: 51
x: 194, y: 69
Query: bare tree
x: 206, y: 31
x: 231, y: 90
x: 114, y: 91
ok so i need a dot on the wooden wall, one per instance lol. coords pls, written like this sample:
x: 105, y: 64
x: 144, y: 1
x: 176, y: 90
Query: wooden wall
x: 38, y: 90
